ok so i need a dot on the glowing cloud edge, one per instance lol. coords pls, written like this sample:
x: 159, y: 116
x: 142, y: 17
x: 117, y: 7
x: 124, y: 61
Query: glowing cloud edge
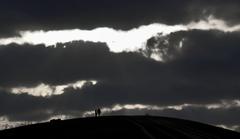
x: 117, y: 40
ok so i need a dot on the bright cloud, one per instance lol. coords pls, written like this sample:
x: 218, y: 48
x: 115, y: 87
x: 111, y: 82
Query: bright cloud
x: 223, y: 104
x: 234, y: 127
x: 45, y: 90
x: 117, y: 40
x: 213, y: 23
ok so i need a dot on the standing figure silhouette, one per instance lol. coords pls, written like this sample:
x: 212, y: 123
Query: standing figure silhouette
x: 97, y: 112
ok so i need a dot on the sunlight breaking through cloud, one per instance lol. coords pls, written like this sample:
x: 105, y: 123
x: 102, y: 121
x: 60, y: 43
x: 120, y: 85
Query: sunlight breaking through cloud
x: 233, y: 127
x: 45, y: 90
x: 117, y: 40
x: 223, y: 104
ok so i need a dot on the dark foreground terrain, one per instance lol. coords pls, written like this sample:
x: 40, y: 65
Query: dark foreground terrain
x: 122, y: 127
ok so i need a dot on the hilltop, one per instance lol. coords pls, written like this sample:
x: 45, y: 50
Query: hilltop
x: 114, y: 127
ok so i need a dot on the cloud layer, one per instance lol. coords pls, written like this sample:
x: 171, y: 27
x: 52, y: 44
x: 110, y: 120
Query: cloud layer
x: 205, y: 70
x: 117, y: 40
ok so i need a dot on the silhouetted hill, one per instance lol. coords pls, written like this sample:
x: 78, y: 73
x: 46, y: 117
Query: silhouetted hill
x: 114, y: 127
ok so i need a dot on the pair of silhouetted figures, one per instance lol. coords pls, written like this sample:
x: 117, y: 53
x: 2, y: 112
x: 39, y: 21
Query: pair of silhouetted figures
x: 97, y: 112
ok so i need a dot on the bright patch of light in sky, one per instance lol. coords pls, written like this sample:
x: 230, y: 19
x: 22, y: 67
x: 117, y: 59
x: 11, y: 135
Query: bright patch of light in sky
x: 213, y: 23
x: 117, y: 40
x: 223, y: 104
x: 233, y: 127
x: 6, y: 124
x: 45, y: 90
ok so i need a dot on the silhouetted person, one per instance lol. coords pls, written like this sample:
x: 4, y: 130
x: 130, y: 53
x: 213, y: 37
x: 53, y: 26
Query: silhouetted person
x: 96, y: 113
x: 99, y: 111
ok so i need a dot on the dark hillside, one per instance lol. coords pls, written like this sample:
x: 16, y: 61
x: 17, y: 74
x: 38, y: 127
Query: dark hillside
x: 136, y: 127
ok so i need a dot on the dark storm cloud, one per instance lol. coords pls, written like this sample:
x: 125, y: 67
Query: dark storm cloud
x: 18, y: 15
x: 29, y: 64
x: 26, y: 65
x: 23, y: 107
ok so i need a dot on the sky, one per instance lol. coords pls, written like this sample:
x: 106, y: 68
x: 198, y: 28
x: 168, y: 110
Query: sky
x: 167, y: 58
